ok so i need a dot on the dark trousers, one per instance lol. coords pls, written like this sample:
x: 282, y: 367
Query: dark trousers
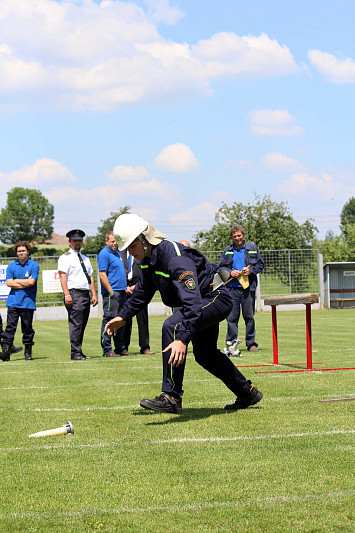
x: 78, y: 315
x: 26, y: 316
x: 215, y: 308
x: 243, y: 299
x: 111, y: 307
x: 143, y: 330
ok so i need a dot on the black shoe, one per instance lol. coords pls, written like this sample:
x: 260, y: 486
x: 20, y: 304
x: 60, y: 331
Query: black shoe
x: 253, y: 397
x: 6, y: 352
x: 85, y: 356
x: 77, y: 358
x: 164, y: 404
x: 16, y: 349
x: 28, y: 352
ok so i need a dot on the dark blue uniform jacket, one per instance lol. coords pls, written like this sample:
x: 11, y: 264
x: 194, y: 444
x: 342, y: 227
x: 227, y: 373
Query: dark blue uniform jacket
x: 252, y: 258
x: 182, y: 280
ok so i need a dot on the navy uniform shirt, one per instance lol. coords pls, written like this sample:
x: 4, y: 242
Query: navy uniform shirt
x: 252, y: 258
x: 182, y: 275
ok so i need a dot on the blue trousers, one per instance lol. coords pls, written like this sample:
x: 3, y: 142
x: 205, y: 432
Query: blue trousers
x: 243, y: 299
x: 111, y: 307
x: 215, y: 307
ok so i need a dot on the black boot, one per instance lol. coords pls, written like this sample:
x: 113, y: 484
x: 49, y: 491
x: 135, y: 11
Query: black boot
x: 6, y: 352
x: 28, y: 352
x: 16, y: 349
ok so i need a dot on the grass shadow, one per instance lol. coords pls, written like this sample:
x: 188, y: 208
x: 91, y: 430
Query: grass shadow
x: 187, y: 415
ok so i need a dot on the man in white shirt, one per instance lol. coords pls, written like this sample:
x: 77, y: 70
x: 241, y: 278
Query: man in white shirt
x: 76, y: 278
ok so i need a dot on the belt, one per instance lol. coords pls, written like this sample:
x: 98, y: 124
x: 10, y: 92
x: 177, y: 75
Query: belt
x: 79, y: 290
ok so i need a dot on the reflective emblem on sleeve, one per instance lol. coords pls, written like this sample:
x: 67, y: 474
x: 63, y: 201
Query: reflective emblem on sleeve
x: 190, y: 283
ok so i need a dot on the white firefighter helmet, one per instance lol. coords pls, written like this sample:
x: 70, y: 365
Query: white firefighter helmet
x: 127, y: 228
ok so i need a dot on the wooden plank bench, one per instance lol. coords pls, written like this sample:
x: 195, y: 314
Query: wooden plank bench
x: 307, y: 300
x: 341, y: 301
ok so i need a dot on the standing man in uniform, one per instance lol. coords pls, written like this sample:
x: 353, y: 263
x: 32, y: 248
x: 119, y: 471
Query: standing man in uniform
x: 133, y: 273
x: 243, y: 260
x: 113, y: 289
x: 185, y: 279
x: 76, y: 279
x: 21, y: 277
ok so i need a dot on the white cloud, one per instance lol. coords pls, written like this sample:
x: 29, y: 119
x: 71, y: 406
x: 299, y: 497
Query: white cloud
x: 42, y: 173
x: 280, y: 163
x: 100, y: 56
x: 323, y: 187
x: 176, y: 158
x: 228, y: 54
x: 87, y: 207
x: 161, y: 11
x: 333, y: 69
x: 276, y: 122
x: 203, y: 212
x: 128, y: 174
x: 244, y: 164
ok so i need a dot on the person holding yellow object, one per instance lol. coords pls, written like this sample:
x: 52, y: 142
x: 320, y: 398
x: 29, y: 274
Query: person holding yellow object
x: 244, y: 262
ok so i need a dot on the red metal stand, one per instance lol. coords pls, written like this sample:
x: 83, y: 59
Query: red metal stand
x: 309, y: 336
x: 274, y: 335
x: 308, y: 300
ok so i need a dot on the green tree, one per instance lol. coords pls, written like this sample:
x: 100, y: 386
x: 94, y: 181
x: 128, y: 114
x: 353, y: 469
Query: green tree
x: 338, y: 248
x: 27, y: 216
x: 267, y: 223
x: 271, y: 226
x: 94, y: 244
x: 347, y: 216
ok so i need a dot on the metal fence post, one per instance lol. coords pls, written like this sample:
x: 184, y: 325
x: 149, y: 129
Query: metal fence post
x: 258, y: 294
x: 321, y: 280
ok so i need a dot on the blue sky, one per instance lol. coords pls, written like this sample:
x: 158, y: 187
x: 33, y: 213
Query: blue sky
x: 173, y: 107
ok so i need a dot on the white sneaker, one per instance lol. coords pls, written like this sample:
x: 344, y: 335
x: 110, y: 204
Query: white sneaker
x: 233, y: 350
x: 235, y: 353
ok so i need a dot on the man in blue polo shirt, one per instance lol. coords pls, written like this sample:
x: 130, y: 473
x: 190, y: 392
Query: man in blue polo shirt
x: 21, y: 277
x: 244, y: 262
x: 113, y: 289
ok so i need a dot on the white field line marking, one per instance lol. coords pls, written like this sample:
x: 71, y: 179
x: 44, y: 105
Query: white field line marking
x: 121, y: 407
x: 22, y: 388
x: 194, y: 440
x: 94, y: 360
x: 195, y: 506
x: 90, y: 369
x: 117, y: 384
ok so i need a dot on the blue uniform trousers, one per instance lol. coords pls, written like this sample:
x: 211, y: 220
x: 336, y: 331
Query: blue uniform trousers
x: 111, y: 307
x: 26, y: 316
x: 243, y: 299
x: 216, y: 307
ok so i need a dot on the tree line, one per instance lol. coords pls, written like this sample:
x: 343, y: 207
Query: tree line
x: 28, y: 215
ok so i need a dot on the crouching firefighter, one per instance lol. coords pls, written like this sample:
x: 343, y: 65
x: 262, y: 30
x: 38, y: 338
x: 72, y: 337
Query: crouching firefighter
x: 185, y: 279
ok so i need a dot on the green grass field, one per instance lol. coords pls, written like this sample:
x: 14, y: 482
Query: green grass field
x: 284, y: 465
